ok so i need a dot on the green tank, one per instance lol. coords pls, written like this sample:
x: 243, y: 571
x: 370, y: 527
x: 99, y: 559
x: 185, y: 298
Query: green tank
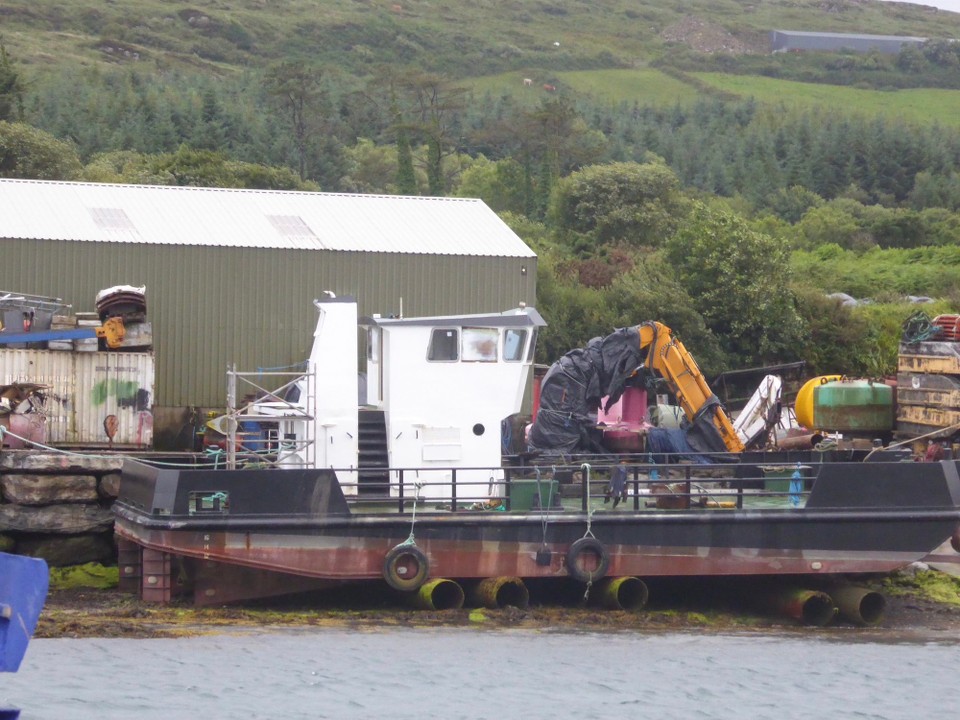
x: 854, y: 406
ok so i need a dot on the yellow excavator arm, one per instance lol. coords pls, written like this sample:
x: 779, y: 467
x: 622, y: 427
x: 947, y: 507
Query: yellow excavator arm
x: 667, y: 356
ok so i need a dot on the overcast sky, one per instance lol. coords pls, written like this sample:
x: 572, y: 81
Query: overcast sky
x: 951, y: 5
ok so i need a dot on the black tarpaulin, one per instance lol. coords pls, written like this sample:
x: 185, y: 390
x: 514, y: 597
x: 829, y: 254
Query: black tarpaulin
x: 573, y: 387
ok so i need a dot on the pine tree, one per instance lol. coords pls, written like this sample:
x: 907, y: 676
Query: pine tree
x: 406, y: 180
x: 11, y: 89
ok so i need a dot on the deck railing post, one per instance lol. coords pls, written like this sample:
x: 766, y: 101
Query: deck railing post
x: 453, y: 490
x: 584, y: 489
x: 400, y: 491
x: 507, y: 479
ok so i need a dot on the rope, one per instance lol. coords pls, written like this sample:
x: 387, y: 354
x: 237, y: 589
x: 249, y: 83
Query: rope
x: 6, y: 431
x: 947, y: 430
x: 585, y: 467
x: 544, y: 518
x: 413, y: 521
x: 589, y: 533
x: 215, y: 453
x: 918, y: 327
x: 826, y: 445
x: 295, y: 366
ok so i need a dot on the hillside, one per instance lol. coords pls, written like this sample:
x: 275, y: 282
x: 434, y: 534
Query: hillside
x: 614, y: 136
x: 459, y: 37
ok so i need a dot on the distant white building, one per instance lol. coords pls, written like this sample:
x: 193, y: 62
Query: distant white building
x: 795, y: 40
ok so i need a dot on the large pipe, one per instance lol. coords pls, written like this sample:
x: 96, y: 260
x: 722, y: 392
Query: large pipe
x: 437, y: 594
x: 810, y: 607
x: 623, y: 593
x: 799, y: 442
x: 500, y: 592
x: 859, y: 605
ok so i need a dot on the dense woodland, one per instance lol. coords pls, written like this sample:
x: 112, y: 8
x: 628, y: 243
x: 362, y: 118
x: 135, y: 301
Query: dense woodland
x: 728, y: 220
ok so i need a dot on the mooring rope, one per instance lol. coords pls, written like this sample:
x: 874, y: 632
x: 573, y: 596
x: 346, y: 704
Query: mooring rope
x: 589, y: 533
x: 411, y: 540
x: 215, y: 453
x: 585, y: 467
x: 544, y: 518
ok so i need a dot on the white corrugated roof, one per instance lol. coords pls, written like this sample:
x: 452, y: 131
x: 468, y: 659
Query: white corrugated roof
x: 163, y: 215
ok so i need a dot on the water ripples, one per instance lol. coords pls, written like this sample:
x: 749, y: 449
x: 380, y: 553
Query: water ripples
x: 473, y: 674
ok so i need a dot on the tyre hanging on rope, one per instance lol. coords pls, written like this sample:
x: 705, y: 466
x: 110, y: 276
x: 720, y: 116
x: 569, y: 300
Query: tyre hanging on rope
x: 587, y: 560
x: 405, y: 567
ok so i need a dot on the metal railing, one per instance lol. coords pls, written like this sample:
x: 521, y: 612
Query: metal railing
x: 582, y: 487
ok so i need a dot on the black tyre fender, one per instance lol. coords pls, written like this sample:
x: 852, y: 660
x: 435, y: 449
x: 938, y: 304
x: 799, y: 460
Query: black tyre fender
x: 406, y: 568
x: 587, y: 545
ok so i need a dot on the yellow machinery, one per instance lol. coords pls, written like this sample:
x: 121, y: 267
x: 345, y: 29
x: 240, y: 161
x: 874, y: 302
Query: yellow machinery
x: 669, y: 358
x: 112, y: 331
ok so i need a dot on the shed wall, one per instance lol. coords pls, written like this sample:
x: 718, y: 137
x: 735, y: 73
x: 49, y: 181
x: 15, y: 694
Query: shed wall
x: 212, y: 306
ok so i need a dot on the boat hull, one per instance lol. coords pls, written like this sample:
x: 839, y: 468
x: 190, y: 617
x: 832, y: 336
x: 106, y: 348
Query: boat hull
x: 855, y: 521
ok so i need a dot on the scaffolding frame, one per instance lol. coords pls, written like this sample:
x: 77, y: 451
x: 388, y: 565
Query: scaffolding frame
x: 302, y: 410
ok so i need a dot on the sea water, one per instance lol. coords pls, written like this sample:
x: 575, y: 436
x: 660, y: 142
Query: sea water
x: 475, y: 674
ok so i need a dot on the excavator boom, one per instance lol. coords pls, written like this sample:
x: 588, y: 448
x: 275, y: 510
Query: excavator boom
x: 584, y: 379
x: 667, y: 356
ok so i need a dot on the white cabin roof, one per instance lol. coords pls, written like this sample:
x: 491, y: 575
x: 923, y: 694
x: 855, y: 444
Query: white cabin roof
x: 518, y: 317
x: 165, y: 215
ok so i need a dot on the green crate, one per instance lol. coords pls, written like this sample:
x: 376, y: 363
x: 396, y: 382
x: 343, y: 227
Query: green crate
x: 527, y: 494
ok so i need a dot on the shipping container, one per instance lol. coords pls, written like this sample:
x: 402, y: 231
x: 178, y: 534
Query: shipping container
x: 92, y: 399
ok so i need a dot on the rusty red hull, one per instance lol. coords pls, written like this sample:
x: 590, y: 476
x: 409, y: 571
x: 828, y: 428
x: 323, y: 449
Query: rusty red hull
x: 301, y: 527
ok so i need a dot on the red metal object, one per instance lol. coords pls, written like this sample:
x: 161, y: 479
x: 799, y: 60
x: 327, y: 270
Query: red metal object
x: 949, y: 327
x: 227, y: 568
x: 537, y: 381
x: 625, y: 422
x: 271, y: 525
x: 130, y: 566
x: 157, y: 579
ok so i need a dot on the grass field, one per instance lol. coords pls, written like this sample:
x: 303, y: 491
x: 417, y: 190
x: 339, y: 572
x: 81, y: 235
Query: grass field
x: 642, y: 85
x: 924, y: 106
x: 648, y: 86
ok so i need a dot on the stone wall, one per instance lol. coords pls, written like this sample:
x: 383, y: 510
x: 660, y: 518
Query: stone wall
x: 57, y: 506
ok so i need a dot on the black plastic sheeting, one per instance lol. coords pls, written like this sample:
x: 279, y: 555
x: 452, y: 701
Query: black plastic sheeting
x: 575, y: 385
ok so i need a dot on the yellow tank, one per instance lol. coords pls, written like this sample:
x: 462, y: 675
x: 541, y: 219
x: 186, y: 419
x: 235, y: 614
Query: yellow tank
x: 803, y: 406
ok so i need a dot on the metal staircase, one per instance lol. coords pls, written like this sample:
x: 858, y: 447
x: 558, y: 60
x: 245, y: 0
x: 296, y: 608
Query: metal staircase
x: 372, y: 460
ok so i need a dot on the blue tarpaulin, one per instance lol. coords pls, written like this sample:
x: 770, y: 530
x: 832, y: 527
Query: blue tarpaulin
x: 671, y: 445
x: 23, y: 590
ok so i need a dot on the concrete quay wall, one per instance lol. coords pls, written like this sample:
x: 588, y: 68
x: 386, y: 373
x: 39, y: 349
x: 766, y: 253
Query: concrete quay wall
x: 57, y: 506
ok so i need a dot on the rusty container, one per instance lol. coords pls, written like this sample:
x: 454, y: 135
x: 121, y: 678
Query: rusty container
x: 89, y: 399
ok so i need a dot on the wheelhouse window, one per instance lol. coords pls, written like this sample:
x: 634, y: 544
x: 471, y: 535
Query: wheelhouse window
x: 513, y: 341
x: 480, y: 344
x: 533, y: 345
x: 444, y: 345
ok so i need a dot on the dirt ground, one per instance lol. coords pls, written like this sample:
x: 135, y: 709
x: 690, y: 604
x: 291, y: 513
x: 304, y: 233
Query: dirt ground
x: 111, y: 614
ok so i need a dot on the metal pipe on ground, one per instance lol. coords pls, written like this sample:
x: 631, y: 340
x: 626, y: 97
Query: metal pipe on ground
x: 437, y: 594
x: 859, y: 605
x: 500, y: 592
x: 799, y: 442
x: 623, y: 593
x: 810, y: 607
